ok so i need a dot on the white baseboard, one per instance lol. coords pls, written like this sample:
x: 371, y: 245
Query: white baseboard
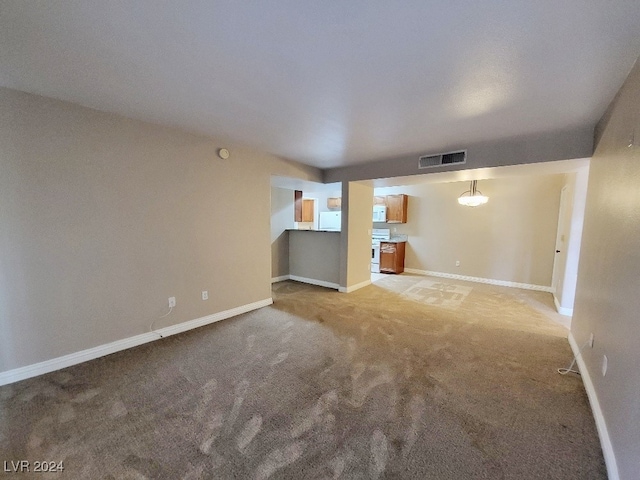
x: 601, y: 425
x: 562, y: 310
x: 281, y: 278
x: 355, y: 287
x: 322, y: 283
x: 22, y: 373
x: 313, y: 281
x: 490, y: 281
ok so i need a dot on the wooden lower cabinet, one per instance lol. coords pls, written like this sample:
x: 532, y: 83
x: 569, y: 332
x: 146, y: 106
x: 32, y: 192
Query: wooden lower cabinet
x: 392, y: 257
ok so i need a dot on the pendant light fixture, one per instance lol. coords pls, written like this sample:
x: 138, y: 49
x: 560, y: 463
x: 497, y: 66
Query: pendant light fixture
x: 473, y: 197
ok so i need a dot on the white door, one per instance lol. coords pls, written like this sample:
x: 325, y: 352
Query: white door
x: 562, y: 241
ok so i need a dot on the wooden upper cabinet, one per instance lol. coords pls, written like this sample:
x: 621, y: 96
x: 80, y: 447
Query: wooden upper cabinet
x: 397, y: 208
x: 303, y: 210
x: 379, y: 200
x: 334, y: 203
x: 307, y: 210
x: 297, y: 206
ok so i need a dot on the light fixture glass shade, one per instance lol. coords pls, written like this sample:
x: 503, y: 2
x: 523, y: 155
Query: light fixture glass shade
x: 472, y: 200
x: 473, y: 197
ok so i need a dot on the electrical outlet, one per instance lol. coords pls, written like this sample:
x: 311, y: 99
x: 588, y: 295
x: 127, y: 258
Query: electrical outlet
x: 605, y: 365
x: 205, y: 295
x: 172, y: 302
x: 591, y: 340
x: 457, y: 263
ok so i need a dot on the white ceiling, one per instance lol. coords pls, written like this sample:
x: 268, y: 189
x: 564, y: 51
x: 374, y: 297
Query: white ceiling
x: 329, y: 83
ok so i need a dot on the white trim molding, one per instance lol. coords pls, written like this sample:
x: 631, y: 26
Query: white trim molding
x: 22, y: 373
x: 322, y: 283
x: 562, y: 310
x: 313, y: 281
x: 601, y: 425
x: 490, y: 281
x: 355, y: 287
x: 281, y: 278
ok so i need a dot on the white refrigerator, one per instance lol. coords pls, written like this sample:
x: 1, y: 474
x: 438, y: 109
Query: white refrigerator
x: 330, y: 221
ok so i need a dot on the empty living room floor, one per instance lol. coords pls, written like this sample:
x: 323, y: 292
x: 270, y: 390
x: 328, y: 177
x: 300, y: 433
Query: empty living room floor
x: 411, y: 377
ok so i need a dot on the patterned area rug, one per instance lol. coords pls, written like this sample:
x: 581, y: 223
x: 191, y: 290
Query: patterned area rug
x: 438, y: 293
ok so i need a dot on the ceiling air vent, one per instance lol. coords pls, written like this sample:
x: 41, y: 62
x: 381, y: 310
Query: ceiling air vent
x: 427, y: 161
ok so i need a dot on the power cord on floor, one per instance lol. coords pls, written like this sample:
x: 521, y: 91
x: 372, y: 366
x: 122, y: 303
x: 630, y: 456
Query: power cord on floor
x: 564, y: 371
x: 154, y: 321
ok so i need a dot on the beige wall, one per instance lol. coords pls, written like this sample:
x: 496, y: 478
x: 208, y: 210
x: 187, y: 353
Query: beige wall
x: 315, y: 256
x: 607, y: 301
x: 355, y: 250
x: 103, y: 218
x: 511, y: 238
x: 282, y: 215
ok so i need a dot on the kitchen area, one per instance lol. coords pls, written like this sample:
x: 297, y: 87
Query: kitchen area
x: 387, y: 249
x: 308, y: 227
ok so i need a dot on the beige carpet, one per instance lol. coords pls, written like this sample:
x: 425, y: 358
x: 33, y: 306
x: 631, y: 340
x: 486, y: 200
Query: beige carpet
x: 412, y: 377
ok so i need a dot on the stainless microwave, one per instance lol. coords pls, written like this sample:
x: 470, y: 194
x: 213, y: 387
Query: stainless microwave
x: 379, y: 213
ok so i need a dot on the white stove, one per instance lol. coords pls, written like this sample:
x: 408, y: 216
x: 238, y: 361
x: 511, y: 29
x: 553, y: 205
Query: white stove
x: 377, y: 235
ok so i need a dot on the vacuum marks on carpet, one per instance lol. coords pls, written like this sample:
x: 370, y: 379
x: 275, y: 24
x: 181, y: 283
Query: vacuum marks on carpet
x: 408, y: 378
x: 248, y: 433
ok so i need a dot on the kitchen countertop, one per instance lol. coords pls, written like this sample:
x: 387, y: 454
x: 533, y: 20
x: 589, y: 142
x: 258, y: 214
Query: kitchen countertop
x: 310, y: 230
x: 396, y: 239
